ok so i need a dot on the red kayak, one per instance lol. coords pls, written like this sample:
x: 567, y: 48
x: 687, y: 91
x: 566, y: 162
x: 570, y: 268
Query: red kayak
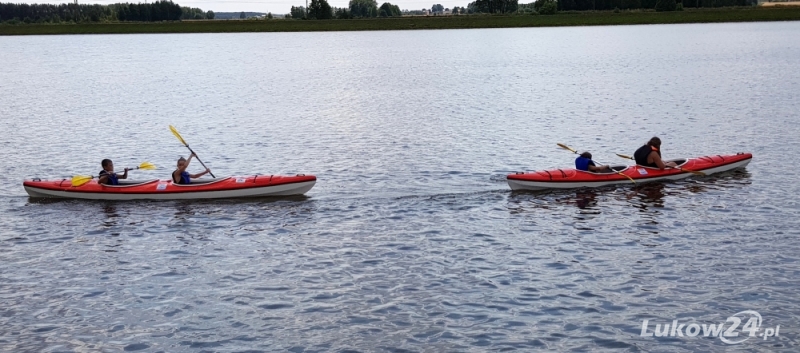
x: 573, y: 178
x: 219, y: 188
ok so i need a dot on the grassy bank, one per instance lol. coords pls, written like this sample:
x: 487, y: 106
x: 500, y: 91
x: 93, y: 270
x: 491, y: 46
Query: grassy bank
x: 451, y: 22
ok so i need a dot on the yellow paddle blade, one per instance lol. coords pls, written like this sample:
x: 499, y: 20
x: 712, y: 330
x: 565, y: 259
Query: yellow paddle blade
x: 175, y: 132
x: 624, y: 156
x: 147, y: 166
x: 566, y: 147
x: 79, y: 180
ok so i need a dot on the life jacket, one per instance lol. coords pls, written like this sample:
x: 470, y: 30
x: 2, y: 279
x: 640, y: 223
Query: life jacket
x: 583, y: 163
x: 112, y: 177
x: 642, y: 153
x: 185, y: 179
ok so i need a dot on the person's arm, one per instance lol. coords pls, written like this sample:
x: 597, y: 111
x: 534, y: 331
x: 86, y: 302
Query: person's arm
x: 124, y: 175
x: 194, y: 176
x: 103, y: 178
x: 176, y: 175
x: 182, y: 169
x: 597, y: 169
x: 660, y: 163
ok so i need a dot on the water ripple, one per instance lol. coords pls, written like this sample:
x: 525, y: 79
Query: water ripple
x: 411, y: 240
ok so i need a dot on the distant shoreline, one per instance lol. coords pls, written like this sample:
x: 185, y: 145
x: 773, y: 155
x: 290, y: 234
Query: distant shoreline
x: 590, y: 18
x: 781, y: 3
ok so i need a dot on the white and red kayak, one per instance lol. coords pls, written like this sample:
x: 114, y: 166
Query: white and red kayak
x: 573, y: 178
x: 219, y: 188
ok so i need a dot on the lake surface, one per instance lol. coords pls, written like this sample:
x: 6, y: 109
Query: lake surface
x: 411, y: 241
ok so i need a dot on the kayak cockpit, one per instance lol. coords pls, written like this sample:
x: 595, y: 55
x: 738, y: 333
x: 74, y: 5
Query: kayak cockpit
x: 679, y: 162
x: 615, y: 170
x: 199, y: 182
x: 131, y: 183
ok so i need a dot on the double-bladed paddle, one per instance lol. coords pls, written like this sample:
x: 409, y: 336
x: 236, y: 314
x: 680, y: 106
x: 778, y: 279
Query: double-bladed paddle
x: 175, y: 132
x: 576, y: 152
x: 79, y: 180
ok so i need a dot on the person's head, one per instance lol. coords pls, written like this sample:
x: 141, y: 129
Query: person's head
x: 655, y: 142
x: 181, y: 162
x: 586, y: 155
x: 107, y: 165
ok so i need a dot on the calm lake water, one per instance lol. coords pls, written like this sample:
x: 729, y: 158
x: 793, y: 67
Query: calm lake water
x: 411, y: 240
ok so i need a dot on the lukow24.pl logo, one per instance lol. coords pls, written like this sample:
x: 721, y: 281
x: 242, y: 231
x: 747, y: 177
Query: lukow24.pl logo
x: 731, y: 331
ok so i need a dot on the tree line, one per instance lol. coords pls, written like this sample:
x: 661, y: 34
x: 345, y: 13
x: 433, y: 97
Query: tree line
x: 165, y: 10
x: 320, y: 9
x: 72, y: 12
x: 659, y: 5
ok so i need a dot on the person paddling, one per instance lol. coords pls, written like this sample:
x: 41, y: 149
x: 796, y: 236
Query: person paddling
x: 585, y: 163
x: 649, y: 155
x: 181, y: 176
x: 107, y: 175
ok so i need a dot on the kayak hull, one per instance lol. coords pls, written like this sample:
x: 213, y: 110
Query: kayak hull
x: 221, y: 188
x: 572, y: 178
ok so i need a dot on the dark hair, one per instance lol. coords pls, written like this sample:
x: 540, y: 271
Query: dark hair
x: 106, y: 162
x: 586, y: 155
x: 655, y: 142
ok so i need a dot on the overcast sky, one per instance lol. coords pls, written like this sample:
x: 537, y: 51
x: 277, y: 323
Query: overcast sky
x: 274, y: 6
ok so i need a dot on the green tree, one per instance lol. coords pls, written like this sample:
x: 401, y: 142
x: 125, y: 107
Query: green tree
x: 242, y: 16
x: 342, y: 13
x: 494, y: 6
x: 298, y: 12
x: 269, y: 15
x: 389, y: 10
x: 363, y: 8
x: 41, y: 13
x: 210, y: 15
x: 437, y: 8
x: 547, y: 7
x: 539, y: 4
x: 320, y: 10
x: 666, y: 5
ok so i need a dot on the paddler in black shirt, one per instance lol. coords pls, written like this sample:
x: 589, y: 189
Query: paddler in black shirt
x: 107, y: 175
x: 649, y: 155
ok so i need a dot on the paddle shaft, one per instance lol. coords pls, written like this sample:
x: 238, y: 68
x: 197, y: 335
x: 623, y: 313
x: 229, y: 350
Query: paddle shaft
x: 117, y: 173
x: 615, y: 171
x: 201, y: 162
x: 595, y: 162
x: 575, y: 152
x: 678, y: 168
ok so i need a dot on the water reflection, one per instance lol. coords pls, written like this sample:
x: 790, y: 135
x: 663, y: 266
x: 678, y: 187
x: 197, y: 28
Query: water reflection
x: 648, y: 198
x: 112, y: 216
x: 649, y: 195
x: 586, y: 199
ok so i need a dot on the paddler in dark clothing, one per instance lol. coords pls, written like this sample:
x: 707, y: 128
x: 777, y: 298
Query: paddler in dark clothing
x: 649, y: 155
x: 107, y: 175
x: 585, y: 163
x: 181, y: 176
